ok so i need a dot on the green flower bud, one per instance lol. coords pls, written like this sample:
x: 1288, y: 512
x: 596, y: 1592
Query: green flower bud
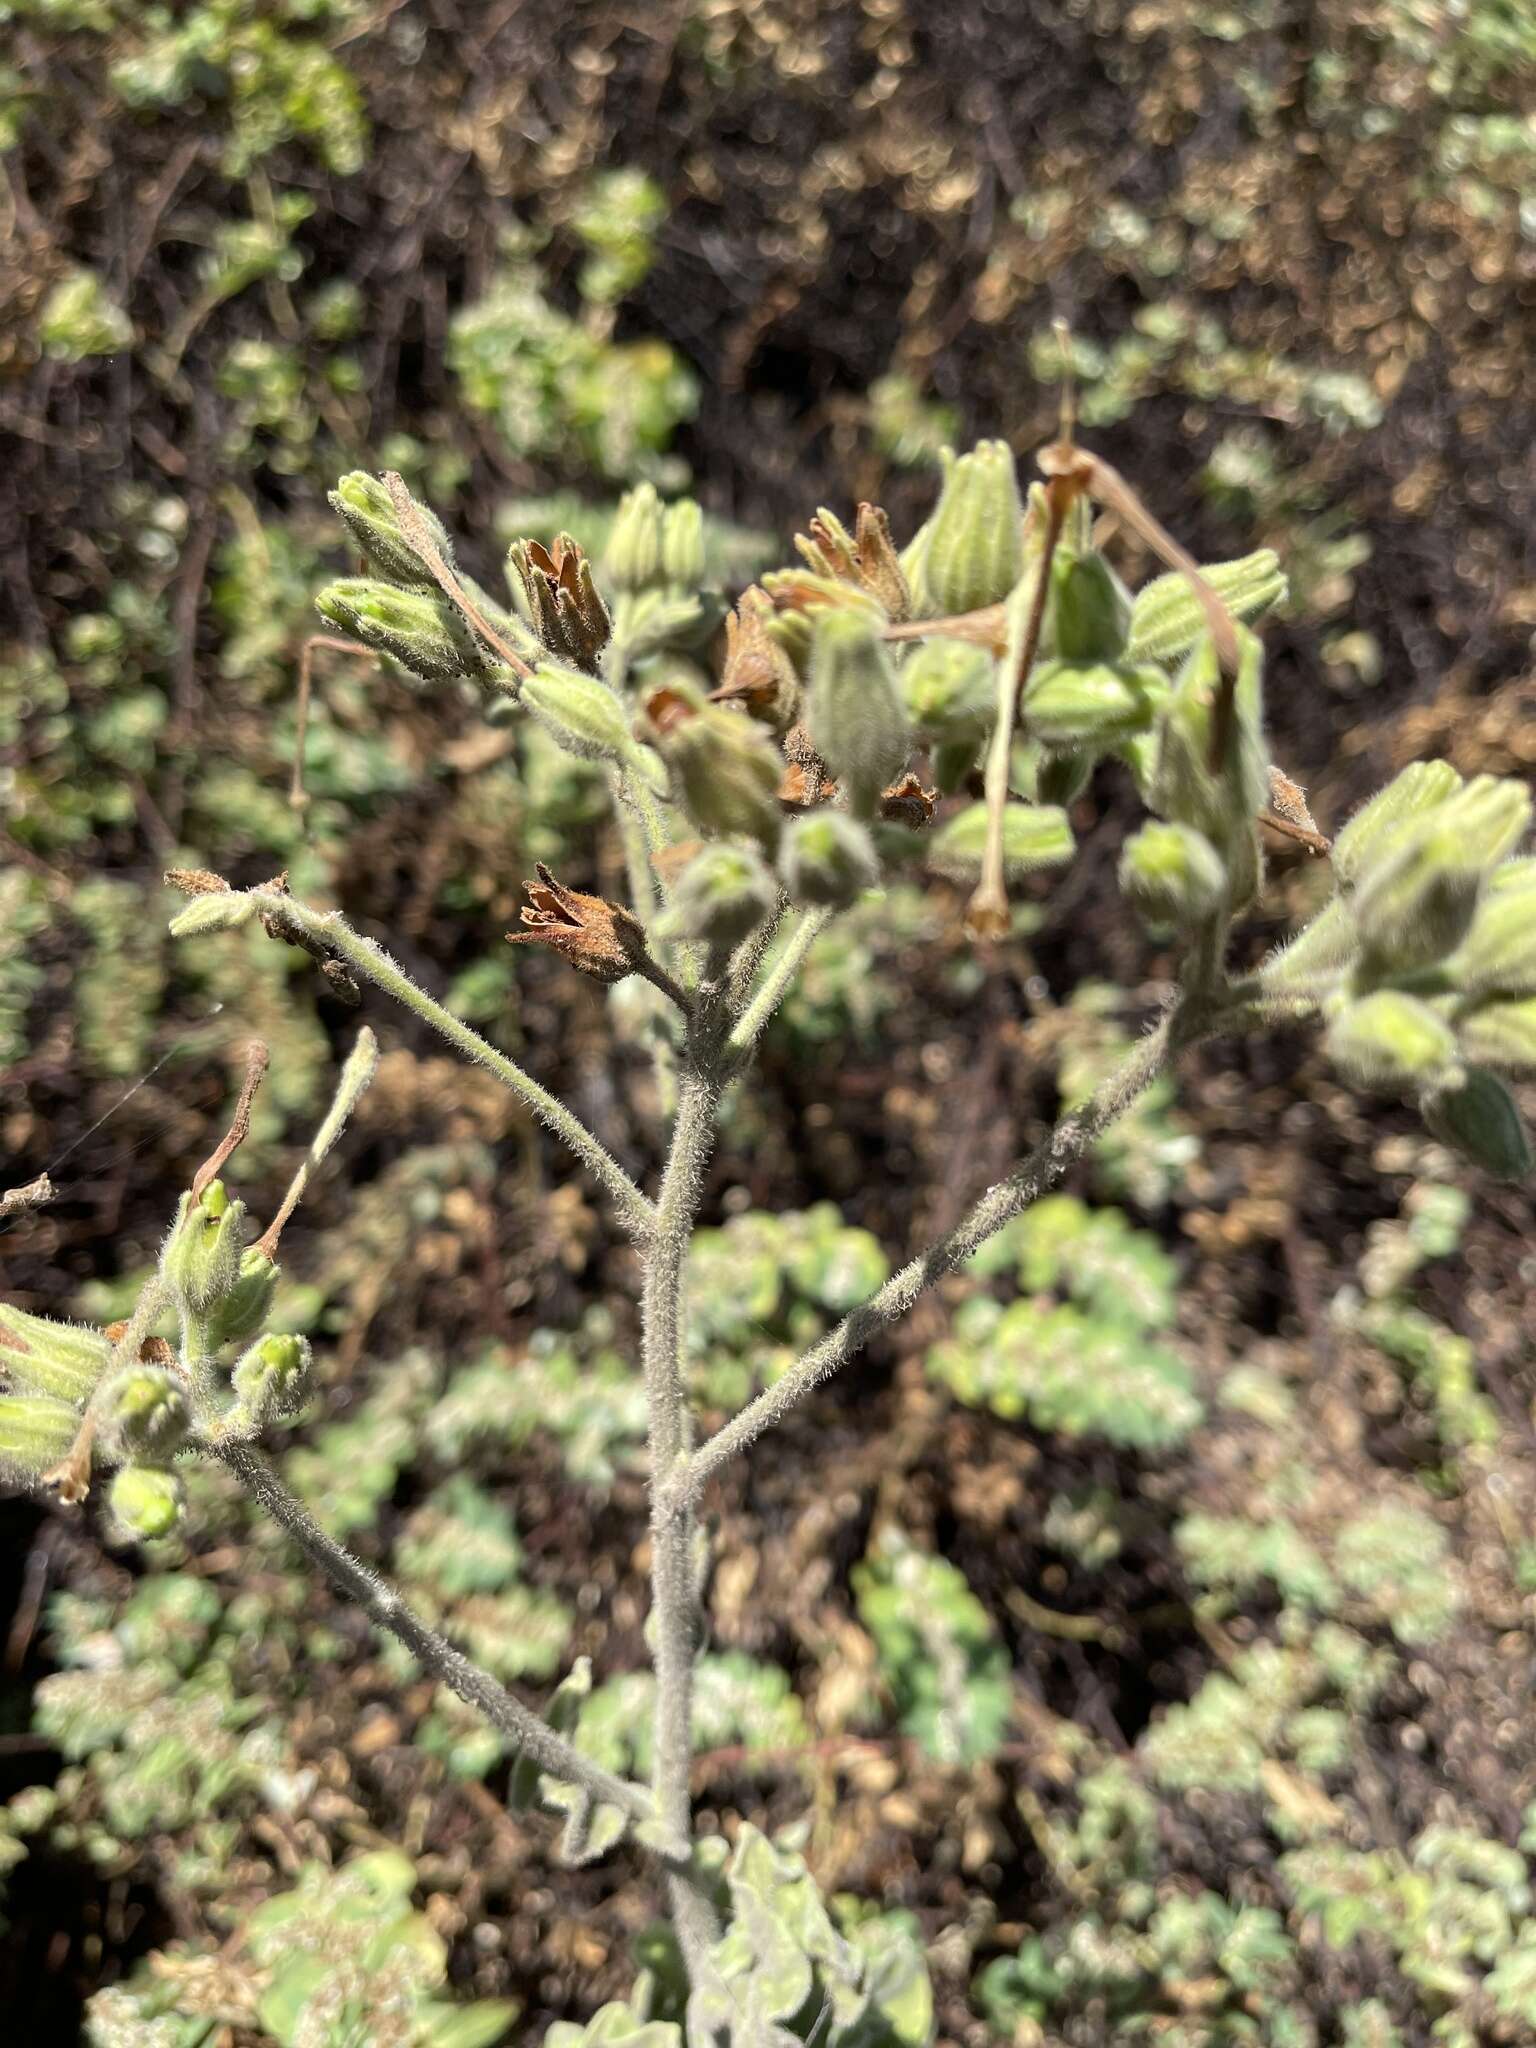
x: 41, y: 1356
x: 366, y: 510
x: 147, y: 1501
x: 645, y: 621
x: 1501, y: 1034
x: 1479, y: 1119
x: 145, y: 1412
x: 1220, y: 801
x: 1319, y: 953
x: 423, y: 633
x: 1172, y: 875
x: 224, y: 911
x: 974, y: 553
x: 828, y: 858
x: 724, y: 892
x: 581, y: 714
x: 1061, y: 778
x: 725, y: 769
x: 201, y: 1259
x: 682, y: 545
x: 1498, y: 955
x: 271, y: 1380
x: 952, y: 762
x: 1072, y: 704
x: 632, y: 558
x: 1374, y: 830
x: 1390, y: 1040
x: 855, y: 716
x: 1415, y: 907
x: 950, y: 691
x: 238, y: 1314
x: 1034, y: 836
x: 1090, y: 609
x: 35, y: 1434
x: 1167, y: 618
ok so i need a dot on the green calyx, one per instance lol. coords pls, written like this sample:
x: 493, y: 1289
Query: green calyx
x: 40, y: 1356
x: 145, y: 1413
x: 973, y: 550
x: 855, y: 716
x: 828, y: 859
x: 201, y: 1260
x: 366, y: 510
x: 724, y: 892
x: 1172, y: 875
x: 147, y: 1500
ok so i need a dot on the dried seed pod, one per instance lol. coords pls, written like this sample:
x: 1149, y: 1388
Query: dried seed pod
x: 593, y: 936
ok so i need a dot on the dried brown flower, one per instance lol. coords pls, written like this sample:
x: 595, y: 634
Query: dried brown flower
x: 592, y: 935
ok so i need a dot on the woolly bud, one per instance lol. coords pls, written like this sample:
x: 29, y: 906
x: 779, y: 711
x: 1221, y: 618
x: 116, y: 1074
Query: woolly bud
x: 224, y: 912
x: 35, y: 1433
x: 1501, y: 1035
x: 1498, y: 955
x: 725, y: 769
x: 1061, y: 778
x: 238, y: 1314
x: 1172, y: 875
x: 1390, y: 1040
x: 581, y: 714
x: 1319, y: 953
x: 682, y: 544
x: 1372, y: 831
x: 423, y: 633
x: 44, y: 1357
x: 1073, y: 704
x: 147, y: 1500
x: 1220, y: 799
x: 1417, y: 905
x: 950, y: 690
x: 975, y: 542
x: 952, y: 762
x: 201, y: 1259
x: 271, y: 1379
x: 1167, y: 618
x: 1090, y: 611
x: 632, y: 558
x: 1480, y: 1120
x: 365, y: 508
x: 828, y: 858
x: 1034, y: 836
x: 855, y: 716
x: 144, y: 1409
x: 724, y: 892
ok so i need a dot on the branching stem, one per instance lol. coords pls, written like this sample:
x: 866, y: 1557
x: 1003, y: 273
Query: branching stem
x: 332, y: 930
x: 673, y: 1591
x: 383, y: 1605
x: 1071, y: 1138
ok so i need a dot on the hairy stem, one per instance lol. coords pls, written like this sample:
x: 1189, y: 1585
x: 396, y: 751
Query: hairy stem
x: 749, y: 1026
x: 1072, y: 1136
x: 383, y: 1605
x: 332, y: 930
x: 674, y: 1605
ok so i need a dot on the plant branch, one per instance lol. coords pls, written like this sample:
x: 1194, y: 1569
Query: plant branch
x: 332, y: 930
x: 673, y: 1592
x: 1063, y: 1146
x: 749, y: 1026
x: 383, y: 1605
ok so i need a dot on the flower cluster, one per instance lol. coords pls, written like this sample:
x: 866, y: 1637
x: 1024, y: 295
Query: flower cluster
x: 1424, y: 962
